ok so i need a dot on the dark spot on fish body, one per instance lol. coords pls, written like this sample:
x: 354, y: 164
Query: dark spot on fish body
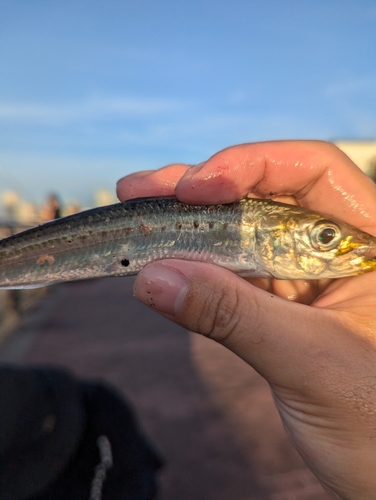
x: 225, y: 226
x: 125, y: 262
x: 211, y: 225
x: 178, y: 226
x: 163, y: 228
x: 196, y: 224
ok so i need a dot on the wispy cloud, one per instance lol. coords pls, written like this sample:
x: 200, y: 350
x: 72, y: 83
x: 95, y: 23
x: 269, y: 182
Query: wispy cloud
x: 96, y: 108
x: 351, y: 87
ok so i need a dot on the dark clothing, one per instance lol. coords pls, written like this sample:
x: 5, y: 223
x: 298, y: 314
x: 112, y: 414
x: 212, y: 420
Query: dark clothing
x: 94, y: 448
x: 132, y: 475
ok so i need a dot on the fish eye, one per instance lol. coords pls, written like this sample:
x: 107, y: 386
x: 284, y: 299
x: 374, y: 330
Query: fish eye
x: 325, y: 235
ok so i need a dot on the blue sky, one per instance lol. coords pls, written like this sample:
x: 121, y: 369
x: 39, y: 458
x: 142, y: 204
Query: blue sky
x: 93, y: 90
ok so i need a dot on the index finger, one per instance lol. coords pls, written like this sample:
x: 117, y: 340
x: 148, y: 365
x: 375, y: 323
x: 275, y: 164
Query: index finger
x: 161, y: 182
x: 316, y: 173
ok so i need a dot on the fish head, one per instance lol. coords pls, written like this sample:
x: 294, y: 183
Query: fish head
x: 325, y: 248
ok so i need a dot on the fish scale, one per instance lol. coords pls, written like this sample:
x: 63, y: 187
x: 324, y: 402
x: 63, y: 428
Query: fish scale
x: 251, y: 237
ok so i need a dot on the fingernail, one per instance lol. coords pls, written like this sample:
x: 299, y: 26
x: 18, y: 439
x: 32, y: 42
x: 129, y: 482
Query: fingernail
x: 160, y: 287
x: 194, y: 169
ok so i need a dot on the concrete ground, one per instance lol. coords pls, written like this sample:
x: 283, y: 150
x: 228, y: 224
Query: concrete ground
x: 208, y: 413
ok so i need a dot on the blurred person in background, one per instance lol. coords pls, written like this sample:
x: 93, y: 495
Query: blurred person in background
x: 51, y: 209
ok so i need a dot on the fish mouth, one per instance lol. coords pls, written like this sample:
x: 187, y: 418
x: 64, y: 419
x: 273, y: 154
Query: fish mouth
x: 370, y: 252
x: 369, y: 258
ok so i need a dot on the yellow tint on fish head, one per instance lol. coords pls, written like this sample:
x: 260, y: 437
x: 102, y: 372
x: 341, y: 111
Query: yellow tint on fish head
x: 347, y: 245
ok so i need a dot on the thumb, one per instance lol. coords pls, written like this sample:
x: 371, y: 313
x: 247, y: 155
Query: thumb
x: 277, y: 337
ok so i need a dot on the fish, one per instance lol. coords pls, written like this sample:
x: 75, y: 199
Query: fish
x: 251, y: 237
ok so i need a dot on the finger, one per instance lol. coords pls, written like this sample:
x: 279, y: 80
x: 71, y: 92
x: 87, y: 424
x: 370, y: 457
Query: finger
x: 356, y: 295
x: 160, y: 182
x: 316, y: 173
x: 302, y: 291
x: 215, y: 302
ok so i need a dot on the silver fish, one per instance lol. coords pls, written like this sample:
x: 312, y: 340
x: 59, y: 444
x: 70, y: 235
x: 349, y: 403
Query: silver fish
x: 252, y: 237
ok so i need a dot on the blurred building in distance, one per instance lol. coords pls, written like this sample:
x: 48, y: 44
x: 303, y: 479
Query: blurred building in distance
x: 15, y: 208
x: 104, y: 197
x: 362, y: 153
x: 10, y: 200
x: 72, y: 207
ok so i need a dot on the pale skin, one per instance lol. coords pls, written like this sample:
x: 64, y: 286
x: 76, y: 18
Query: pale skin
x: 315, y: 343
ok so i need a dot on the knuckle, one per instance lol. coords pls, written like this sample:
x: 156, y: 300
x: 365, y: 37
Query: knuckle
x: 220, y: 313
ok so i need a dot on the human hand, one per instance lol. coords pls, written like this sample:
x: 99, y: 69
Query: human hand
x: 320, y: 360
